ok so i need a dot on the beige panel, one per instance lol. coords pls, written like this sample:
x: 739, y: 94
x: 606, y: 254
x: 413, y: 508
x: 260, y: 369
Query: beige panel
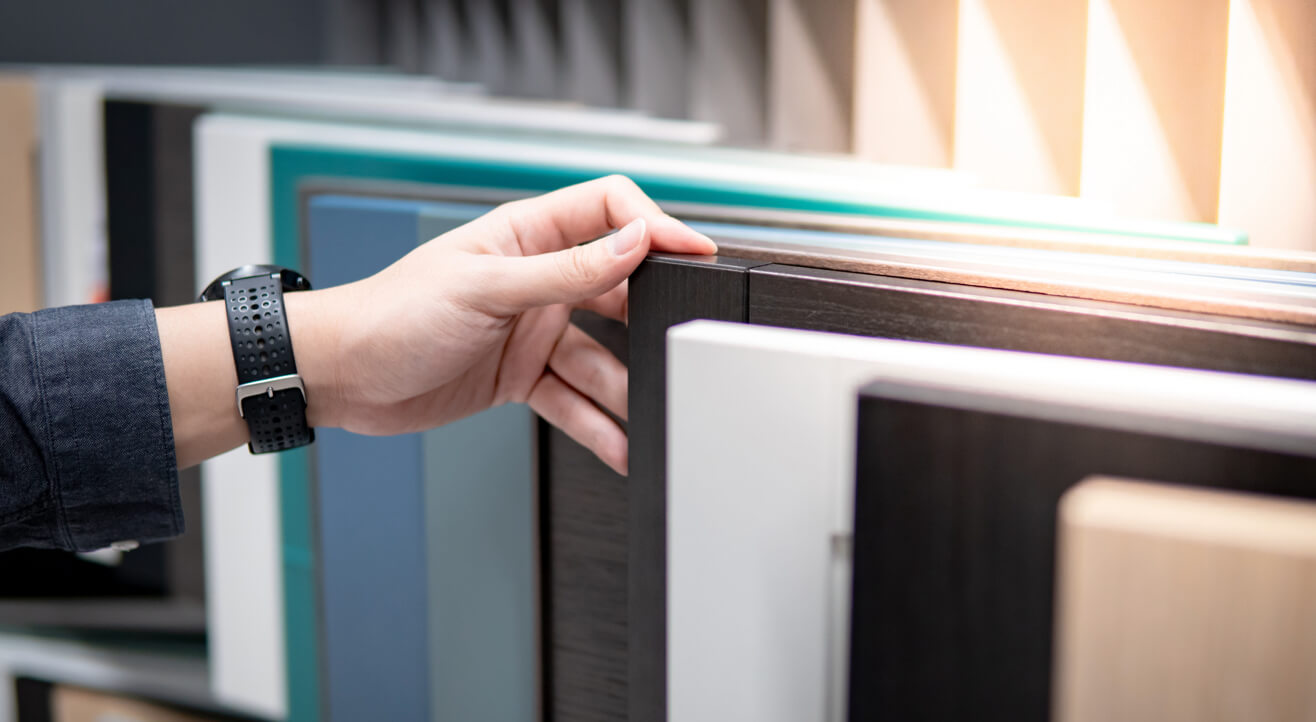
x: 1268, y: 166
x: 811, y: 74
x: 1019, y: 93
x: 1184, y: 605
x: 74, y: 704
x: 904, y: 96
x: 20, y: 250
x: 1154, y: 106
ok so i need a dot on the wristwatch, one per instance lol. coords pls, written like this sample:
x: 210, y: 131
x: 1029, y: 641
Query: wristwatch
x: 270, y: 394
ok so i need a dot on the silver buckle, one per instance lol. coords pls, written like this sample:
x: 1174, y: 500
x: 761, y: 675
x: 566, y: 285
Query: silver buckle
x: 267, y: 387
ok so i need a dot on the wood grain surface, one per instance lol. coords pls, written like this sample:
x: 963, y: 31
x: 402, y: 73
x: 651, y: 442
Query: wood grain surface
x: 955, y: 531
x: 664, y: 291
x: 1179, y: 604
x: 898, y: 308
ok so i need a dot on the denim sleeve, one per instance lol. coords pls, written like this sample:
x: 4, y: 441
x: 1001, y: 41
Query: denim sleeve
x: 86, y: 439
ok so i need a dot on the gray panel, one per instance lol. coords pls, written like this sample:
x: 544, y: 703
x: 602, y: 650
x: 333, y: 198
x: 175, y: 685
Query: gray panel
x: 656, y: 55
x: 481, y: 536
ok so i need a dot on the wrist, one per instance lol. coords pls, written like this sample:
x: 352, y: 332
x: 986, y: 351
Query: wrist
x: 315, y: 328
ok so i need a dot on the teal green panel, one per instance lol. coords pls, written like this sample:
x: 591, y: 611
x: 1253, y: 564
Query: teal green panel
x: 301, y: 162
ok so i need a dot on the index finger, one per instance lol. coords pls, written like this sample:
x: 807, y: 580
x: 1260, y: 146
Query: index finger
x: 582, y: 212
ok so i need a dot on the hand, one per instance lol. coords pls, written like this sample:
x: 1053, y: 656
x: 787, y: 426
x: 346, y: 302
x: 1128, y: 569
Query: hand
x: 480, y: 317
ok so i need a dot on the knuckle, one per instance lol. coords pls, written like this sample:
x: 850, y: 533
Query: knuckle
x: 575, y: 268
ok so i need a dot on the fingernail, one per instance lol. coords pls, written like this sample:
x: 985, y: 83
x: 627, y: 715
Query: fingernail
x: 625, y: 240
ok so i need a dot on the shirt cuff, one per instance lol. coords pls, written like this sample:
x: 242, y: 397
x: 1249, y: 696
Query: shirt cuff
x: 114, y: 475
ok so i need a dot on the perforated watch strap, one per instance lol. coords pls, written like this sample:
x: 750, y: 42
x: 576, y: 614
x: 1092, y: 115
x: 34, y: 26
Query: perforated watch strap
x: 262, y: 349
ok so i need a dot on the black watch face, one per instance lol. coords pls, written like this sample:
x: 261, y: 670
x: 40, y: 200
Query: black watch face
x: 291, y: 280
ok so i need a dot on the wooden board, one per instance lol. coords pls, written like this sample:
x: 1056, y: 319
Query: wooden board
x: 1180, y: 604
x: 20, y: 241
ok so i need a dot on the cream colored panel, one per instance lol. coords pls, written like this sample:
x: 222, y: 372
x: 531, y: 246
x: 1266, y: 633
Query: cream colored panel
x: 1154, y: 106
x: 1184, y: 605
x: 1019, y: 93
x: 811, y: 74
x: 1268, y: 166
x: 20, y: 249
x: 904, y: 95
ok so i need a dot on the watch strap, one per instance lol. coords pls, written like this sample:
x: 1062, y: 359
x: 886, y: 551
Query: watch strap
x: 262, y: 349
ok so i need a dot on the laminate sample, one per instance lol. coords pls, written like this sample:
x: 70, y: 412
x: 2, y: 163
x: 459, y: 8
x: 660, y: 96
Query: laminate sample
x: 1183, y: 604
x: 20, y: 240
x: 958, y: 482
x: 763, y: 440
x: 446, y: 629
x: 584, y: 541
x: 665, y: 290
x: 805, y: 298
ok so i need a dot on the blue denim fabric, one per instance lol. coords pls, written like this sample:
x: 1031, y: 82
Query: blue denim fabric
x: 86, y: 439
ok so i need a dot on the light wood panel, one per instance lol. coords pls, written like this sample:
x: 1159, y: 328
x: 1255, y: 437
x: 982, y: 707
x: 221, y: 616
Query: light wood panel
x: 1268, y: 163
x: 1019, y: 93
x: 811, y: 74
x: 1183, y: 604
x: 904, y: 94
x: 1154, y: 106
x: 20, y: 274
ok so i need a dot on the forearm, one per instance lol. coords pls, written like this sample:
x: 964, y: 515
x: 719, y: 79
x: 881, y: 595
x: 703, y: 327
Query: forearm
x: 201, y: 377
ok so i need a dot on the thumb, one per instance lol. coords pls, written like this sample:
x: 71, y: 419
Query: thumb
x: 518, y: 283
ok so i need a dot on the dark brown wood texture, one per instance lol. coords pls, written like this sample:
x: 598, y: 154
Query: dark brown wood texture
x: 955, y: 524
x: 583, y: 547
x: 664, y: 291
x: 879, y: 306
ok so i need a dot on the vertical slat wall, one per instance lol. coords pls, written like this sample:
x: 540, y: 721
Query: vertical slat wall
x: 656, y: 52
x: 591, y: 51
x: 1268, y: 160
x: 811, y: 74
x: 728, y: 72
x: 1019, y: 93
x: 1154, y: 106
x: 904, y: 81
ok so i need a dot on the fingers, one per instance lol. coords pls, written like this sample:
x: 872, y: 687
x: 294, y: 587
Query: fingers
x: 591, y: 369
x: 564, y: 407
x: 509, y: 285
x: 583, y: 212
x: 613, y: 304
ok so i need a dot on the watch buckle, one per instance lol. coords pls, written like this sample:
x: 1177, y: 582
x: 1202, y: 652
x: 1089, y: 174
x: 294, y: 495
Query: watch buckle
x: 268, y: 387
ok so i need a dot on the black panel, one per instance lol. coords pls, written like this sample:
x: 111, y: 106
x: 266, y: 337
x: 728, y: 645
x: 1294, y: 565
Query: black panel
x: 865, y: 305
x: 955, y: 528
x: 664, y: 291
x: 583, y: 507
x: 32, y: 700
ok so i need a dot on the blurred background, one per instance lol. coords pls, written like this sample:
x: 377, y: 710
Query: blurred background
x: 140, y: 146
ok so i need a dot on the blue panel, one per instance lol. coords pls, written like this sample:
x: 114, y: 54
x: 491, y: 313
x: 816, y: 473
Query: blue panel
x: 427, y: 545
x: 371, y: 524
